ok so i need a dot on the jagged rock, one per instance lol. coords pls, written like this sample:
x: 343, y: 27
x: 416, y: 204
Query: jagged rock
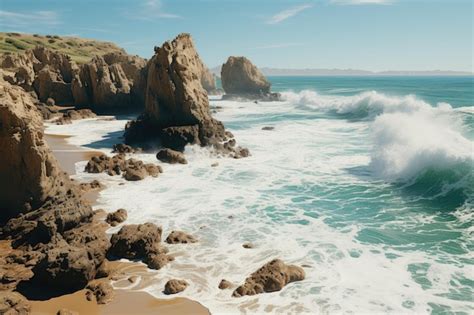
x: 180, y: 237
x: 13, y: 303
x: 241, y: 79
x: 208, y: 81
x: 101, y: 291
x: 273, y: 276
x: 176, y: 104
x: 224, y: 284
x: 132, y: 169
x: 174, y: 286
x: 116, y: 217
x: 134, y: 241
x: 171, y: 156
x: 111, y: 81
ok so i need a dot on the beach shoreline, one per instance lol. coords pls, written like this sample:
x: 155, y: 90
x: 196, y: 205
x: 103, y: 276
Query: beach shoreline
x: 126, y: 300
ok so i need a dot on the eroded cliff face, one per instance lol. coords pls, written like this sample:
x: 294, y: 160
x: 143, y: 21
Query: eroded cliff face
x: 176, y: 103
x: 56, y: 243
x: 108, y: 82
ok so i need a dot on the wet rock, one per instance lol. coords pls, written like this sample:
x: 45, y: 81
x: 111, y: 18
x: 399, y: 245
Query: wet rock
x: 175, y: 286
x: 171, y: 156
x: 267, y: 128
x: 248, y: 245
x: 180, y: 237
x: 93, y: 185
x: 13, y: 303
x: 101, y: 291
x: 116, y: 217
x: 104, y: 270
x: 131, y: 169
x: 215, y: 164
x: 133, y: 241
x: 158, y: 261
x: 224, y: 284
x: 273, y: 276
x: 123, y: 148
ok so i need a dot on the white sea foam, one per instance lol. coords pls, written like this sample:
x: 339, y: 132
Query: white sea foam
x: 281, y: 199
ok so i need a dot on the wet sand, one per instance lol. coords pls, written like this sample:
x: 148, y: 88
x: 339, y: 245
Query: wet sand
x: 67, y: 154
x: 126, y: 301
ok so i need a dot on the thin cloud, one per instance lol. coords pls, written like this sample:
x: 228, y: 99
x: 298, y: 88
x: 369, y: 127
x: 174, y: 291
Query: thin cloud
x: 359, y: 2
x: 24, y: 19
x: 288, y: 13
x: 150, y: 10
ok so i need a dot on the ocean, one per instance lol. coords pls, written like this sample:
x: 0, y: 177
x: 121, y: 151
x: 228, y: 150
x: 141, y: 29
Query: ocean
x: 366, y: 181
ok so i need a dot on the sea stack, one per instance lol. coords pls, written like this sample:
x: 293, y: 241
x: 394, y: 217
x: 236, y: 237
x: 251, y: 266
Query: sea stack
x: 243, y: 80
x: 176, y: 104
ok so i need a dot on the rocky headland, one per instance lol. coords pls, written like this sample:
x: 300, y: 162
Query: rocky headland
x: 243, y: 80
x: 53, y: 242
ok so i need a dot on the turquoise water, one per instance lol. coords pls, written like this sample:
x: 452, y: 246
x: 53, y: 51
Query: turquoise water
x: 366, y: 181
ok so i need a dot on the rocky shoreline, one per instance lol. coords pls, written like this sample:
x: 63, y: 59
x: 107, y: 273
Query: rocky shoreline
x: 53, y: 238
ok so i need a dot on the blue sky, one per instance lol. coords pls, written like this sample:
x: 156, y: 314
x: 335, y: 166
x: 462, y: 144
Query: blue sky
x: 360, y: 34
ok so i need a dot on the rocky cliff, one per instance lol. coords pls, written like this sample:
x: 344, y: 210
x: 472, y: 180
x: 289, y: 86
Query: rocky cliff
x: 241, y: 79
x: 56, y: 244
x: 108, y: 82
x: 176, y: 103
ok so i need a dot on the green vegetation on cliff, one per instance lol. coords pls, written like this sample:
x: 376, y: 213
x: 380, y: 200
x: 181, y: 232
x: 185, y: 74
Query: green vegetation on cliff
x: 79, y: 49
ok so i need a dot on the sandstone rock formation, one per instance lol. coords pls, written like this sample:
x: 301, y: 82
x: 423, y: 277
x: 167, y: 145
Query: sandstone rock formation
x: 116, y: 217
x: 13, y: 303
x: 171, y: 156
x: 225, y: 284
x: 176, y: 104
x: 174, y: 286
x: 43, y: 213
x: 273, y: 276
x: 180, y: 237
x: 131, y: 169
x: 100, y: 291
x: 110, y: 82
x: 134, y: 241
x: 107, y: 83
x: 241, y: 79
x: 73, y: 114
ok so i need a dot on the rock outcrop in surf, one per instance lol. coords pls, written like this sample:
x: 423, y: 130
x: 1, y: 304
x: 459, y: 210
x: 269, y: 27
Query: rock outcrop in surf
x: 176, y: 103
x: 242, y: 79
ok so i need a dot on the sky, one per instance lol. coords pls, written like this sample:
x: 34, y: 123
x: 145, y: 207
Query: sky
x: 374, y: 35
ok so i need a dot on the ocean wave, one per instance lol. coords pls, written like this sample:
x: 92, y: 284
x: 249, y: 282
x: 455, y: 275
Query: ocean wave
x: 420, y: 146
x: 364, y: 105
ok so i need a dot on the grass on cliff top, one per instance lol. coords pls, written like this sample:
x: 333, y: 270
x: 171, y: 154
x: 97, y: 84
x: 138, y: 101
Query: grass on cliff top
x: 79, y: 49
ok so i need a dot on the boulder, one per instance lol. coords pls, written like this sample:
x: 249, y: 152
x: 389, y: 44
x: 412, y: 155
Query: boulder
x: 224, y: 284
x: 180, y: 237
x: 175, y: 286
x: 100, y: 291
x: 131, y: 169
x: 241, y: 79
x: 158, y: 261
x: 133, y: 241
x: 93, y: 185
x: 116, y: 217
x: 272, y: 277
x: 171, y: 156
x: 73, y: 114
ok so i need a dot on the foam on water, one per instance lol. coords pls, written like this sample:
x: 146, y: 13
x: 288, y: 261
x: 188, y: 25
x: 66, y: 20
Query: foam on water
x: 317, y: 191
